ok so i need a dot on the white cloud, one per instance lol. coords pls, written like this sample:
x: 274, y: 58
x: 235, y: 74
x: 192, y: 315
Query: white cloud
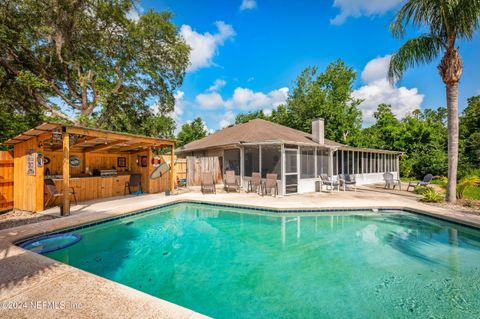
x: 227, y: 119
x: 377, y: 89
x: 209, y: 100
x: 180, y: 104
x: 217, y: 85
x: 357, y: 8
x: 248, y: 5
x: 205, y: 46
x: 376, y: 69
x: 243, y: 99
x: 248, y: 100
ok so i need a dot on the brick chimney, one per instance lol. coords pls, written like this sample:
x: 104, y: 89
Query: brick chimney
x: 318, y: 130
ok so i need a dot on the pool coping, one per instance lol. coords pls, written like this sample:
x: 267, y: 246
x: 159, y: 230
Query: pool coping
x: 10, y: 238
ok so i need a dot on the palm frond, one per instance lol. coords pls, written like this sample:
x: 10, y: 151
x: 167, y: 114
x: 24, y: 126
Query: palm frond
x: 465, y: 16
x: 419, y: 50
x: 417, y: 13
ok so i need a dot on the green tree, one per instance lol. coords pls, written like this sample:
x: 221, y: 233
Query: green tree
x: 326, y: 95
x: 245, y: 117
x: 192, y: 131
x: 18, y: 111
x: 470, y: 134
x: 87, y: 62
x: 422, y: 135
x: 384, y: 132
x: 446, y: 22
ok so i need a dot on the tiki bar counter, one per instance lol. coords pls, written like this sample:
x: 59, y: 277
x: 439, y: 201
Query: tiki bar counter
x: 56, y: 164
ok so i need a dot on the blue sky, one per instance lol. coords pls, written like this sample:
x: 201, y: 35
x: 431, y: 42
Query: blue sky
x: 247, y: 54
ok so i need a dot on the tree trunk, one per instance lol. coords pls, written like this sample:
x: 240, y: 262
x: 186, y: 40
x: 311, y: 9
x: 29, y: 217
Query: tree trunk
x: 452, y: 107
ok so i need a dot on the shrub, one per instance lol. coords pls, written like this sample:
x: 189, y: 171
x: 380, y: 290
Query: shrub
x: 440, y: 181
x: 420, y: 190
x: 432, y: 196
x: 467, y: 181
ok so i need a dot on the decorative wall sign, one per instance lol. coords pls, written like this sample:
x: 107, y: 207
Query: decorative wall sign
x: 46, y: 160
x: 31, y: 162
x: 121, y: 161
x: 75, y: 161
x: 39, y: 159
x: 144, y: 161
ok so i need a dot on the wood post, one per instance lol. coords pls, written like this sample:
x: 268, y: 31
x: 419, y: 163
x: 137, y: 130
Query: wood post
x: 172, y: 169
x: 66, y: 174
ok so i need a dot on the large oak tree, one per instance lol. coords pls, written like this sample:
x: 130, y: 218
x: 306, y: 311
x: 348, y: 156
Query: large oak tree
x: 86, y: 61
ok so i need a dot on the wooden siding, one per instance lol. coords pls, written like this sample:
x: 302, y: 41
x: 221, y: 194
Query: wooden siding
x: 88, y: 188
x: 6, y: 180
x: 90, y: 160
x: 28, y: 190
x: 197, y: 165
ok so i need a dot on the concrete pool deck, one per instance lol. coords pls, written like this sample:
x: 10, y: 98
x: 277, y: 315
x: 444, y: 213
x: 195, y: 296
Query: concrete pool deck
x: 35, y: 286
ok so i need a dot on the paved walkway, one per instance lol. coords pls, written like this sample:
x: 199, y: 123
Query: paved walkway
x: 38, y: 287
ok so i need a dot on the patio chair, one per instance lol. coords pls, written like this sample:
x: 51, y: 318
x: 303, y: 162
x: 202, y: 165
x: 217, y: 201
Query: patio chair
x: 208, y: 183
x: 255, y: 183
x: 231, y: 181
x: 425, y: 182
x: 271, y: 184
x: 54, y: 193
x: 135, y: 181
x: 391, y: 182
x: 327, y: 181
x: 346, y: 180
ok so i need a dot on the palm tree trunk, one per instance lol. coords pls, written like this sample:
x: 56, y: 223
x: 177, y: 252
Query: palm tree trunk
x: 452, y: 107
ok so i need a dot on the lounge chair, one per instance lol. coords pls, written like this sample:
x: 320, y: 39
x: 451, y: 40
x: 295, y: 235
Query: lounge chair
x: 346, y: 180
x: 271, y: 184
x: 255, y: 183
x: 391, y: 182
x: 208, y: 183
x: 425, y: 182
x: 231, y: 181
x: 135, y: 181
x: 54, y: 193
x: 327, y: 181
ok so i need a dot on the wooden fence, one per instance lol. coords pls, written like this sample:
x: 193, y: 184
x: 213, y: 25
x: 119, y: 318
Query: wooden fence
x: 197, y: 165
x: 180, y: 166
x: 6, y: 180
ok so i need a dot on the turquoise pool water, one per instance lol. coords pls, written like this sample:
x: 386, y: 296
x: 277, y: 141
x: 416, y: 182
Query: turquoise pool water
x: 237, y: 263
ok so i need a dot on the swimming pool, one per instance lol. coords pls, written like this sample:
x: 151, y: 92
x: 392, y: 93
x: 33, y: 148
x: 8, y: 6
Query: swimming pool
x: 231, y: 262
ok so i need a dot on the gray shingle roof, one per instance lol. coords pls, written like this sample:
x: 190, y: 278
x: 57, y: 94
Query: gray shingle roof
x: 254, y: 131
x: 262, y: 131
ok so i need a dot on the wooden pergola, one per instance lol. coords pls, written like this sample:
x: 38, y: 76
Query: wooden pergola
x: 48, y: 138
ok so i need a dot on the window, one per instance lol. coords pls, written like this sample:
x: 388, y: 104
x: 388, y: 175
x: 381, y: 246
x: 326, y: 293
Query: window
x: 232, y: 160
x: 340, y: 162
x: 359, y: 160
x: 252, y: 160
x: 366, y: 157
x: 322, y: 162
x: 307, y: 163
x: 350, y: 162
x: 271, y: 160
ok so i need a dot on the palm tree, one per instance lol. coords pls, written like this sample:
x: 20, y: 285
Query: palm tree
x: 446, y: 21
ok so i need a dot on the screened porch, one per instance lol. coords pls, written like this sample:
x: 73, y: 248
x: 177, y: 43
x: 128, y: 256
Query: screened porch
x: 298, y: 167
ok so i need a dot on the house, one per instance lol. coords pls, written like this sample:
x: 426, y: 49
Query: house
x: 297, y: 157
